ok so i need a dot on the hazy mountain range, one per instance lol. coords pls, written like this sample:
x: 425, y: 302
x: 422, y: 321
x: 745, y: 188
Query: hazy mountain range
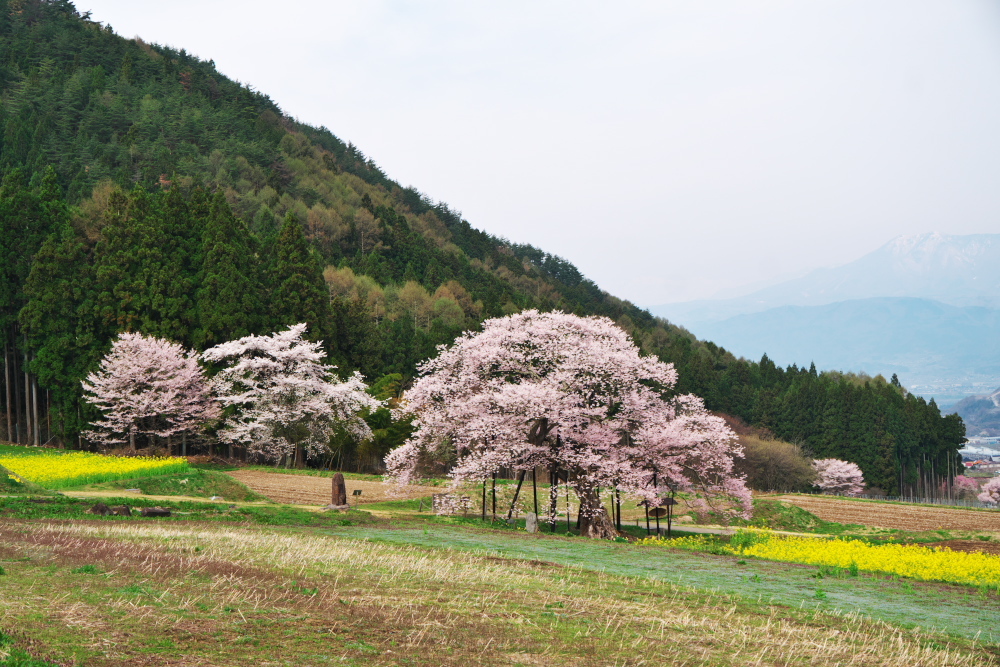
x: 926, y: 307
x: 981, y: 414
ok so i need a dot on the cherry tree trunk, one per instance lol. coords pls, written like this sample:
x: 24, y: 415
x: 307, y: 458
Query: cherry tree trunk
x: 594, y: 519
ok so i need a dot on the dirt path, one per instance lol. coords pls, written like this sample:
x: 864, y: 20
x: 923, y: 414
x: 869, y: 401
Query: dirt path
x: 307, y: 490
x: 900, y: 516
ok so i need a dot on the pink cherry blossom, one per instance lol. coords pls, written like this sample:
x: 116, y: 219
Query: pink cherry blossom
x: 840, y: 477
x: 281, y: 399
x: 991, y: 492
x: 962, y: 485
x: 147, y: 386
x: 572, y: 394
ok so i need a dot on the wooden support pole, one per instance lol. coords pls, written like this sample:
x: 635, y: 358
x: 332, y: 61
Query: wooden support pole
x: 567, y: 501
x: 534, y: 488
x: 553, y: 497
x: 517, y: 493
x: 616, y: 506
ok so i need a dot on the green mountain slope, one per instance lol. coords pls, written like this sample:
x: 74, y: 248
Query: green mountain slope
x: 144, y: 190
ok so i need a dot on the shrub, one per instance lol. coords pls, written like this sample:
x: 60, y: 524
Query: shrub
x: 774, y: 465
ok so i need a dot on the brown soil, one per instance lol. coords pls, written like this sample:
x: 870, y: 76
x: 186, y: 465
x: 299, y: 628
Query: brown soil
x: 308, y: 490
x: 896, y: 515
x: 969, y: 545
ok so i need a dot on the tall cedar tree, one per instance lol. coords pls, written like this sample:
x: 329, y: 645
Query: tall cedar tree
x: 300, y: 294
x: 57, y: 324
x: 229, y: 302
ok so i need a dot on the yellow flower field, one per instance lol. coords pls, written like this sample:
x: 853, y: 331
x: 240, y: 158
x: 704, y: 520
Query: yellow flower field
x: 61, y: 470
x: 915, y: 562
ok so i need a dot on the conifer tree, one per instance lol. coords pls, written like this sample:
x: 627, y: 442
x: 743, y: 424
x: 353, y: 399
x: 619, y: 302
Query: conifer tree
x: 54, y: 320
x: 300, y: 293
x: 228, y: 300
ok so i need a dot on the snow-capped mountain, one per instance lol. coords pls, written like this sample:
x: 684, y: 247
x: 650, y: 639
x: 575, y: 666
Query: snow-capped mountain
x: 956, y: 270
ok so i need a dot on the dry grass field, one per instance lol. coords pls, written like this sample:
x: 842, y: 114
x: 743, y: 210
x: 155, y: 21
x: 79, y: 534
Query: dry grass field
x: 895, y: 515
x: 115, y: 594
x: 307, y: 490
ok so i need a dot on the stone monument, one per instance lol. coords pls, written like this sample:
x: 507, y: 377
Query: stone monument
x: 338, y: 500
x: 531, y: 522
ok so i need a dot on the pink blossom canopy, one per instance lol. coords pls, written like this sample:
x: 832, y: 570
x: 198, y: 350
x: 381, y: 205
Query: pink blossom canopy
x: 607, y: 413
x: 836, y: 476
x: 991, y: 492
x: 147, y: 386
x: 284, y: 396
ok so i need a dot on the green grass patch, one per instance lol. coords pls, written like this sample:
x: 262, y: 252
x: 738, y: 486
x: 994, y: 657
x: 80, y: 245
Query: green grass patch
x: 197, y: 483
x: 12, y: 484
x: 12, y: 655
x: 64, y: 507
x: 22, y: 450
x: 776, y: 515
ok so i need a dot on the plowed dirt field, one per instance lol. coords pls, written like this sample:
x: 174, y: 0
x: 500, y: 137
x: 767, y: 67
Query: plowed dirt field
x: 896, y: 515
x: 307, y: 490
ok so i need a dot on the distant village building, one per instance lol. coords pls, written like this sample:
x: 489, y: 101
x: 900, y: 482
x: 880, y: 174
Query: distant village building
x: 990, y: 464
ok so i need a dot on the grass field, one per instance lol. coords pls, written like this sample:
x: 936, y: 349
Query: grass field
x: 200, y: 483
x: 116, y: 593
x: 265, y: 584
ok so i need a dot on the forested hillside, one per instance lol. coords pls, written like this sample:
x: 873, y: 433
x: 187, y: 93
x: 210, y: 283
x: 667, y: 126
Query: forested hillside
x: 143, y: 190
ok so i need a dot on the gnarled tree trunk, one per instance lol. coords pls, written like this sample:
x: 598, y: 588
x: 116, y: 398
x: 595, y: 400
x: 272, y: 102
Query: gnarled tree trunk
x: 594, y: 519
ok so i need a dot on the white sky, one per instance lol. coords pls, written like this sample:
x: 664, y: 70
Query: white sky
x: 669, y: 149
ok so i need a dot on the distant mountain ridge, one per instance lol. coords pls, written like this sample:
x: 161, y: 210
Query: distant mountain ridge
x: 958, y: 270
x: 926, y: 307
x: 922, y: 340
x: 981, y: 414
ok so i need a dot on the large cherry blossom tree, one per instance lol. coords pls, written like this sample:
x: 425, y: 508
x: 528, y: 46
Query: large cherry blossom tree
x: 841, y: 477
x: 571, y: 394
x: 147, y: 386
x: 281, y: 399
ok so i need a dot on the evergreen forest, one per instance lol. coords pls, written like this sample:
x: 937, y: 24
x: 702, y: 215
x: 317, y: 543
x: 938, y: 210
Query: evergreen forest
x: 143, y: 190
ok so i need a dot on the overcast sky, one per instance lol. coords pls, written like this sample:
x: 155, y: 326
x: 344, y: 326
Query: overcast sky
x: 669, y: 149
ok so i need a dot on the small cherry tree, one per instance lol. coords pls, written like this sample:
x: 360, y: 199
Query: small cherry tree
x: 571, y: 394
x: 147, y: 386
x: 963, y: 486
x: 991, y: 492
x: 280, y: 399
x: 839, y: 477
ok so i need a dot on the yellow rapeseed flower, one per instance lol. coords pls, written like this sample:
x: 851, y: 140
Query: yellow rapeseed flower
x: 54, y: 471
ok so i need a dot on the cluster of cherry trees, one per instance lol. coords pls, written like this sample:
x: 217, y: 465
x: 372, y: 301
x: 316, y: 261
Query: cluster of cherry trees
x: 569, y: 394
x: 271, y: 394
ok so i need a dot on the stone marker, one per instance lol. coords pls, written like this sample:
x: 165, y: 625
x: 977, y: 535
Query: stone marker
x: 100, y: 508
x: 121, y: 510
x: 531, y: 522
x: 155, y: 511
x: 338, y: 500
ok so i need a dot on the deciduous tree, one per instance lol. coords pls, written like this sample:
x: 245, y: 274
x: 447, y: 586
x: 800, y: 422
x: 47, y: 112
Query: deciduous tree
x: 147, y: 386
x: 991, y: 492
x: 840, y: 477
x: 572, y: 394
x: 282, y: 399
